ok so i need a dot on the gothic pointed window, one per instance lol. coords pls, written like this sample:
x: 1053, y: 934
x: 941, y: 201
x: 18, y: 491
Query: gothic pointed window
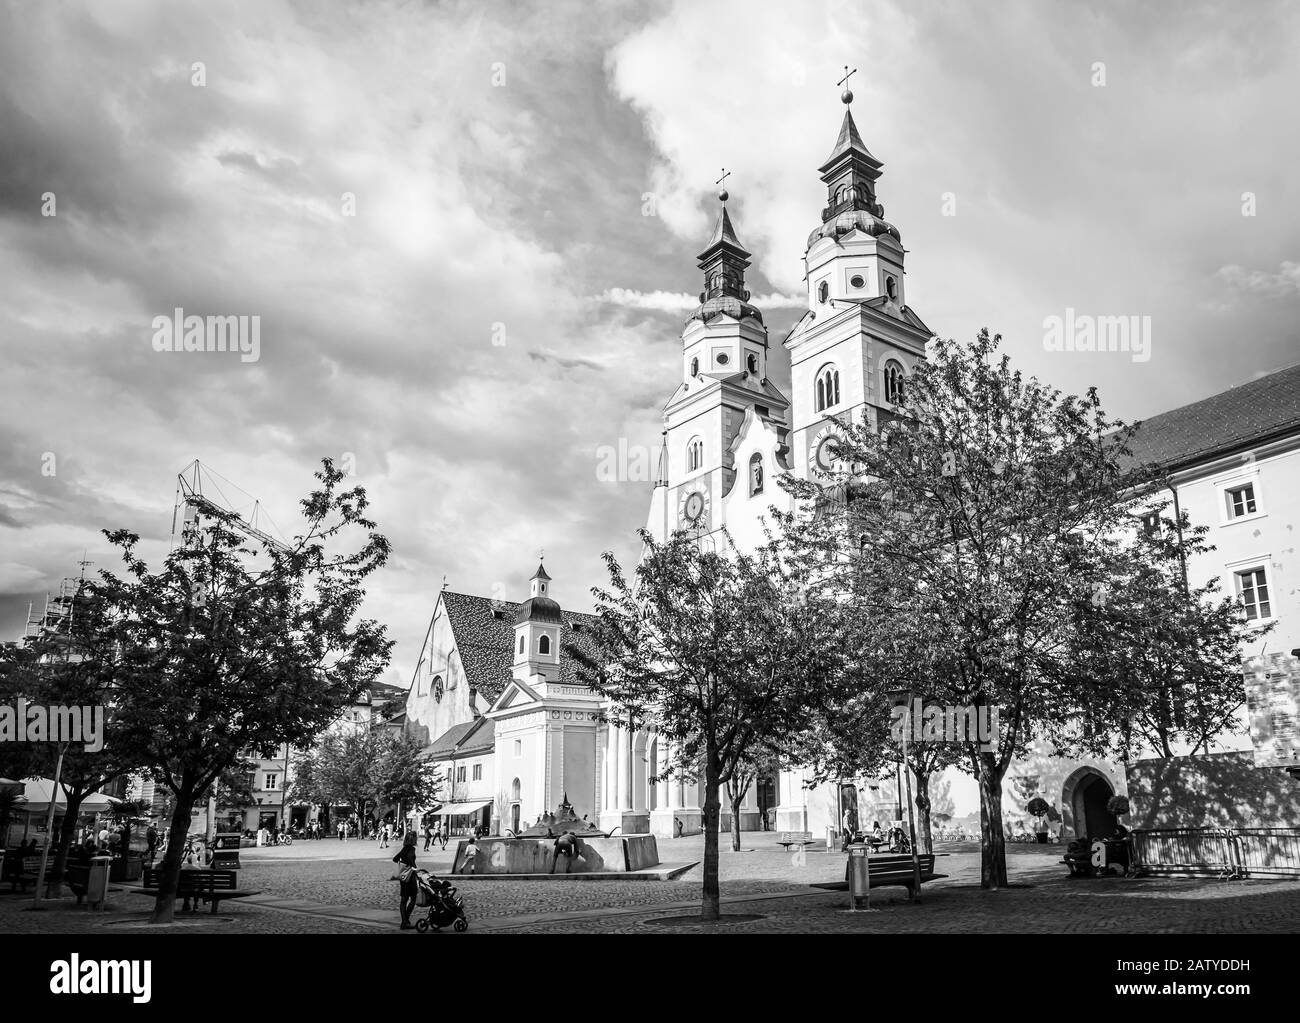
x: 893, y: 383
x: 694, y: 454
x: 755, y: 474
x: 828, y: 388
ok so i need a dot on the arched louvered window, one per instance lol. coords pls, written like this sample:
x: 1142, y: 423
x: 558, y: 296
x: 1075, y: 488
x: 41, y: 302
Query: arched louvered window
x: 893, y: 382
x: 694, y: 454
x: 828, y: 388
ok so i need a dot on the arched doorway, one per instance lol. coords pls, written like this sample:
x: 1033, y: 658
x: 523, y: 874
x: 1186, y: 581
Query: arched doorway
x: 514, y: 806
x: 1084, y: 796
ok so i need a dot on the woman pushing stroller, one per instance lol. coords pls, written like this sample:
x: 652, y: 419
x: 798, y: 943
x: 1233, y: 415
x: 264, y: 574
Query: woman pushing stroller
x: 406, y: 875
x: 439, y: 897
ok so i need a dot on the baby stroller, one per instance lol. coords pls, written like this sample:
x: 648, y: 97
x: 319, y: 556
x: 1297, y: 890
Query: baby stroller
x: 445, y: 908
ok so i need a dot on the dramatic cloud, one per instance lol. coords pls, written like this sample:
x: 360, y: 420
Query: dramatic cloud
x: 470, y: 235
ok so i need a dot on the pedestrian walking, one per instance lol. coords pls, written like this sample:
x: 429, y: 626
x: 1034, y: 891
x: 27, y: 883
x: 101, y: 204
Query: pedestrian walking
x: 151, y: 842
x: 428, y: 837
x: 406, y: 875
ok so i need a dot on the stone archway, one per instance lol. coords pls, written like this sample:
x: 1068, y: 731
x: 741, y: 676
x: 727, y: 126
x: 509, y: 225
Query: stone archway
x: 1083, y: 803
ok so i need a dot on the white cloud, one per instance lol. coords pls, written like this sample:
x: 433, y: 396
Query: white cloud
x: 677, y: 302
x: 1285, y: 281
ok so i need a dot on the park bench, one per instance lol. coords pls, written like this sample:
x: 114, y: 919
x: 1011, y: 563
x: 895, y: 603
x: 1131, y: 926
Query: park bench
x: 789, y: 838
x: 892, y: 869
x: 209, y: 885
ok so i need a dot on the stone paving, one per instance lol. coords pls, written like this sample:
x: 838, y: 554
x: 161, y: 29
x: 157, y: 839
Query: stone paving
x: 334, y: 887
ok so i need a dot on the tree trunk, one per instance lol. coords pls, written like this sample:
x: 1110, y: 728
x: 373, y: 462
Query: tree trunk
x: 735, y: 821
x: 711, y: 897
x: 169, y: 877
x: 924, y: 840
x: 993, y: 848
x: 66, y: 831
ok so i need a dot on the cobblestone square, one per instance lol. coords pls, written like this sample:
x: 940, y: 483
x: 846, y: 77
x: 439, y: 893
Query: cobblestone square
x: 332, y: 887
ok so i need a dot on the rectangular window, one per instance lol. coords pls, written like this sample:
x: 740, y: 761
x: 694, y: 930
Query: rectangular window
x: 1241, y: 501
x: 478, y: 772
x: 460, y: 773
x: 1151, y: 524
x: 271, y: 779
x: 519, y: 747
x: 1252, y: 587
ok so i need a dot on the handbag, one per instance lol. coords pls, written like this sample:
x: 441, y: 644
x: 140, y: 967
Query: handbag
x: 404, y: 874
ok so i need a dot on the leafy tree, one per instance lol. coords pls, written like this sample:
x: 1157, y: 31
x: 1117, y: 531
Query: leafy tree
x: 404, y: 776
x: 345, y: 770
x: 239, y: 645
x: 715, y: 648
x: 970, y: 536
x: 1169, y: 680
x: 72, y: 666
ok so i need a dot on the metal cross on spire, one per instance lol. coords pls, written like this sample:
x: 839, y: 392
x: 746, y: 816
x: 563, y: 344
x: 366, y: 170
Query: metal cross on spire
x: 723, y: 195
x: 847, y: 95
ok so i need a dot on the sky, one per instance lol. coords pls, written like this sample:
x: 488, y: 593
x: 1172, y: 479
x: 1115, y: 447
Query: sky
x: 470, y: 229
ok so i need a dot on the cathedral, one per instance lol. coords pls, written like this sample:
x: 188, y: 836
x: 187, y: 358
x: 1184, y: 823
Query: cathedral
x: 494, y: 694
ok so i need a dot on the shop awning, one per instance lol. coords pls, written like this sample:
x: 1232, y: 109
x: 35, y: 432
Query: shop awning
x: 460, y: 809
x: 39, y: 790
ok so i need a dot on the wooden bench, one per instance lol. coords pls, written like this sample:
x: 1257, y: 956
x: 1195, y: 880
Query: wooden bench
x: 789, y: 838
x: 209, y: 885
x: 892, y: 869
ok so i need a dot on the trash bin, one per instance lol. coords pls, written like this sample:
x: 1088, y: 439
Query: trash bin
x: 97, y: 881
x: 858, y: 876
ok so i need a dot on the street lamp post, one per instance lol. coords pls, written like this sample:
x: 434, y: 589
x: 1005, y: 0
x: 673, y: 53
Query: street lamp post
x: 906, y: 694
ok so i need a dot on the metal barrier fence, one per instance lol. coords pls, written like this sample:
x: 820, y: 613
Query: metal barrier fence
x: 1228, y: 852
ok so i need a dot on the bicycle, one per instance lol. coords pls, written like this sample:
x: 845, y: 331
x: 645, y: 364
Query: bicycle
x: 195, y: 849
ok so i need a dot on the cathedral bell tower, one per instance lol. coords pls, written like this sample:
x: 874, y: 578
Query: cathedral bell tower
x: 853, y: 349
x: 724, y: 380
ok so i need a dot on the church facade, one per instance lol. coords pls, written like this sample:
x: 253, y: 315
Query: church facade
x: 495, y: 693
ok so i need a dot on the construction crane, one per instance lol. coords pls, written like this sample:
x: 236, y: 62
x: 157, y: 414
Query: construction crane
x: 198, y: 488
x: 194, y: 485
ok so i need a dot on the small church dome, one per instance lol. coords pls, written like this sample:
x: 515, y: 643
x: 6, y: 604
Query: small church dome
x: 725, y: 305
x: 854, y: 220
x: 539, y: 609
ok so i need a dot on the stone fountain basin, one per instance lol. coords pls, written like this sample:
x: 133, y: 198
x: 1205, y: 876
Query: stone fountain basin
x: 617, y: 855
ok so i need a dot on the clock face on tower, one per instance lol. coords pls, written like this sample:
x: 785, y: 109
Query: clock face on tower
x: 693, y: 509
x: 823, y: 452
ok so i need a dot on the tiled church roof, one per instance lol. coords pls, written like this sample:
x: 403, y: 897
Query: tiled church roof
x: 1222, y: 423
x: 485, y: 631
